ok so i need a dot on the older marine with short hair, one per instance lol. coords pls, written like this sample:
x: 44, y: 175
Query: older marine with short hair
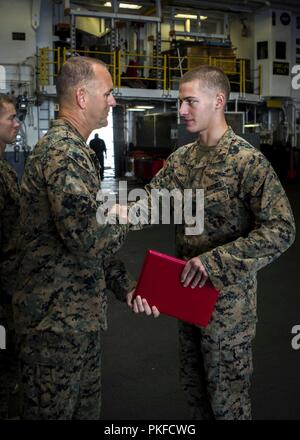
x: 66, y: 260
x: 9, y: 216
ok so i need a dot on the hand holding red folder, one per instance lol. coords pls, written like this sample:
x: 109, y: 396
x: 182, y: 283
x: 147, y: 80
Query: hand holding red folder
x: 140, y: 305
x: 160, y: 284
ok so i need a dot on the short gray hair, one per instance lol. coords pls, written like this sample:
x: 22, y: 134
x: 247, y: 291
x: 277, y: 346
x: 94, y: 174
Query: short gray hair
x: 74, y: 72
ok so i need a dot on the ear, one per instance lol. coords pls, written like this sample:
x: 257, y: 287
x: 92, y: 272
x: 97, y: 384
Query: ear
x: 220, y: 100
x: 80, y: 96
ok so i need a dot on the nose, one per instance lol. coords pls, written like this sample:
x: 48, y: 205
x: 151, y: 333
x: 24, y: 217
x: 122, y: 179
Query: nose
x: 17, y: 123
x: 183, y: 109
x: 112, y: 101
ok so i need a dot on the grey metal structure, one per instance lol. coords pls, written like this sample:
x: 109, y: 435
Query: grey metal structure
x: 247, y: 6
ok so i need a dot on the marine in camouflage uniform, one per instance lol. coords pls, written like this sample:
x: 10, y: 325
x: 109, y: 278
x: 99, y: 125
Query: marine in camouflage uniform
x: 9, y: 215
x: 66, y: 264
x: 248, y: 223
x: 66, y: 267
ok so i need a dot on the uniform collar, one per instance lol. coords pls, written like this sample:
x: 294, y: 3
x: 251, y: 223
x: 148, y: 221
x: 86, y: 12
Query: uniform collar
x: 218, y: 153
x: 64, y: 123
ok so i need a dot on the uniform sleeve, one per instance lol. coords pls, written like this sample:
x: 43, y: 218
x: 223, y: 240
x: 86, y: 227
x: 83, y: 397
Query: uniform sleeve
x: 117, y: 278
x: 2, y: 204
x: 2, y: 191
x: 3, y: 197
x: 72, y: 187
x: 165, y: 180
x: 169, y: 176
x: 272, y: 234
x: 1, y: 211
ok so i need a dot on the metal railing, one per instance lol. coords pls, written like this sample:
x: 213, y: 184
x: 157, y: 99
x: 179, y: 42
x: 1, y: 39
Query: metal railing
x: 147, y: 69
x: 50, y: 63
x: 142, y: 71
x: 51, y: 60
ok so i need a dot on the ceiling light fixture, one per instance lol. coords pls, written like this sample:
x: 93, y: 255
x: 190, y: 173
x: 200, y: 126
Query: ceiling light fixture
x: 124, y: 5
x: 145, y: 107
x: 191, y: 16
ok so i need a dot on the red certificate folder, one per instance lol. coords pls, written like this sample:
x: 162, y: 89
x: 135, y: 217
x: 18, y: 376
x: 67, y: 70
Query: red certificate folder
x: 159, y: 283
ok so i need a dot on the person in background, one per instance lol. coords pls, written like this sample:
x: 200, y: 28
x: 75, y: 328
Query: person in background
x: 99, y: 147
x: 65, y: 255
x: 248, y: 223
x: 9, y: 216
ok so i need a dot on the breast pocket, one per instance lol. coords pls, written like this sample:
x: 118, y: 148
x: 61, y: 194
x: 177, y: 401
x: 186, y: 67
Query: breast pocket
x: 216, y: 196
x: 217, y: 211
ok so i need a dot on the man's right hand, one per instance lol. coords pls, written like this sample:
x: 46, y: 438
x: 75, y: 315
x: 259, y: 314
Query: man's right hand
x: 140, y: 305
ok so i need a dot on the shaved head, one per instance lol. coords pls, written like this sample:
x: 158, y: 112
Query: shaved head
x: 211, y: 77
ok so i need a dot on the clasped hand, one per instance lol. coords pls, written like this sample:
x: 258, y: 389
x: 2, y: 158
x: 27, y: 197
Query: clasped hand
x: 193, y: 275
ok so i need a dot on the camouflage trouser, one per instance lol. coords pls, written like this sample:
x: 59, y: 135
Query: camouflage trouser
x: 8, y: 367
x: 61, y: 376
x: 215, y: 373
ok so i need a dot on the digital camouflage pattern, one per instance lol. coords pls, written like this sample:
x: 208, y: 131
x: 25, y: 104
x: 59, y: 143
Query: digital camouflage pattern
x: 64, y: 364
x: 66, y: 265
x: 9, y: 215
x: 248, y: 223
x: 215, y: 374
x: 65, y: 255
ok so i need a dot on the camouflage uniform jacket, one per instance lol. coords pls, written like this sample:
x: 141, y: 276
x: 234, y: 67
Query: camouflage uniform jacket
x: 248, y: 221
x: 65, y: 256
x: 9, y: 215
